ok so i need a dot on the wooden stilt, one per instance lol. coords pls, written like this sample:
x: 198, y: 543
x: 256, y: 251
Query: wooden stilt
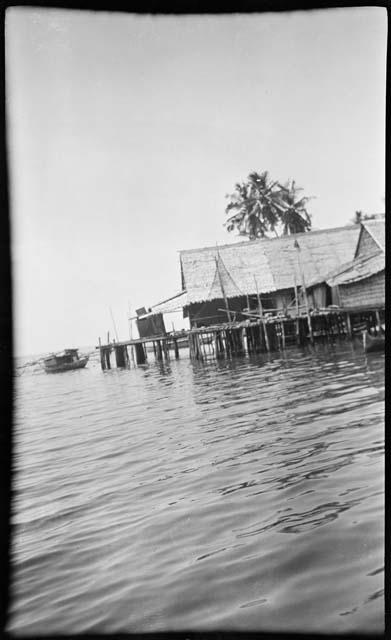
x: 378, y: 323
x: 102, y: 356
x: 176, y: 350
x: 140, y: 353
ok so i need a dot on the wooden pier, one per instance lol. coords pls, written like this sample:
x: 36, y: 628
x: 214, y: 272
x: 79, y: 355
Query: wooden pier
x: 261, y: 335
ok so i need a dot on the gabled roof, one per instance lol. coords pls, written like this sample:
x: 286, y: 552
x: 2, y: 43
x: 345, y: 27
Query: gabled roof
x: 358, y: 269
x: 377, y: 229
x: 270, y: 263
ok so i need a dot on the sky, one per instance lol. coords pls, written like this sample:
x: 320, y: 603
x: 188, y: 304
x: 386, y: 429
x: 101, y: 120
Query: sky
x: 125, y: 134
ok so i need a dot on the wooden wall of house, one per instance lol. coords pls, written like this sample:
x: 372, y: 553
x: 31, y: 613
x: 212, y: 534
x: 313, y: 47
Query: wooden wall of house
x: 366, y: 245
x: 364, y: 293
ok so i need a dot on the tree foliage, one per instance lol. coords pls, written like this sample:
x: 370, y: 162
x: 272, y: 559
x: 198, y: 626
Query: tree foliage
x: 260, y: 206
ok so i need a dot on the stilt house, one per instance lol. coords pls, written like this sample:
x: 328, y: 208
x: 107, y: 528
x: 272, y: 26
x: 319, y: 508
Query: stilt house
x: 360, y: 283
x: 231, y: 280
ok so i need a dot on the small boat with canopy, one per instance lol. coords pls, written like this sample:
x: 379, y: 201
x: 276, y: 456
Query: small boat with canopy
x: 68, y: 360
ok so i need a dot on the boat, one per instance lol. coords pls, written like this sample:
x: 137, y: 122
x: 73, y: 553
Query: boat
x: 373, y: 343
x: 68, y: 360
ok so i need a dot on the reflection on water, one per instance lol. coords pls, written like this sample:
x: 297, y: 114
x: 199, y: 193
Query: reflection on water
x: 243, y: 494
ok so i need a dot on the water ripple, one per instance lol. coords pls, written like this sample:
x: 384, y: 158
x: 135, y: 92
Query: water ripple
x: 242, y: 494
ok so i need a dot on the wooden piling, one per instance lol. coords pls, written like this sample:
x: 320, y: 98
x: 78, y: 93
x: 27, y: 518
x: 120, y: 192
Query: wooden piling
x: 102, y: 356
x: 120, y: 356
x: 176, y: 350
x: 283, y: 335
x: 378, y: 323
x: 159, y: 353
x: 140, y: 353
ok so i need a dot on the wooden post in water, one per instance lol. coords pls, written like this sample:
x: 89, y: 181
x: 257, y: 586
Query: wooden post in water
x: 378, y: 327
x: 349, y: 325
x: 120, y: 356
x: 107, y: 355
x: 159, y: 350
x: 283, y: 334
x: 260, y: 311
x: 102, y: 357
x: 140, y: 353
x: 176, y: 350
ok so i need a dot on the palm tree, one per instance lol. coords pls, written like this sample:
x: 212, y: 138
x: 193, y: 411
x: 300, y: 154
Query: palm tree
x: 255, y: 206
x: 294, y: 217
x: 259, y: 206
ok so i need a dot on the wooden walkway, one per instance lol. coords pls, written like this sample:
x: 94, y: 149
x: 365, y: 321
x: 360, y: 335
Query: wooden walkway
x: 238, y: 338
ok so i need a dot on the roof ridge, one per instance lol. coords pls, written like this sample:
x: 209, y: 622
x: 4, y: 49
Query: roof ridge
x: 268, y: 240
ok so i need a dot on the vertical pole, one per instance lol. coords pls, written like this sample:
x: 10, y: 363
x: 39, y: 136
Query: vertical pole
x: 176, y: 350
x: 102, y: 356
x: 260, y: 311
x: 140, y: 353
x: 349, y: 325
x: 297, y: 325
x: 223, y: 290
x: 378, y: 328
x: 283, y: 334
x: 305, y: 293
x: 296, y: 293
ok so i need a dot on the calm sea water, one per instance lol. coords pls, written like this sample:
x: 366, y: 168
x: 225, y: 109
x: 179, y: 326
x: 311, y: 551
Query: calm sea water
x: 243, y: 494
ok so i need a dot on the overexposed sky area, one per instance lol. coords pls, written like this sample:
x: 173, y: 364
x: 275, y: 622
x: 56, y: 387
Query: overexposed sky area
x: 125, y: 134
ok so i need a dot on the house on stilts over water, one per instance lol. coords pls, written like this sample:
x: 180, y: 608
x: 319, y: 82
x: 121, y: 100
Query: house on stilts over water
x: 359, y: 284
x: 261, y: 295
x: 287, y: 275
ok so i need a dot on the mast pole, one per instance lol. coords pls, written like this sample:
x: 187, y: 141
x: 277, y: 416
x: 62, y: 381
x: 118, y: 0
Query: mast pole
x: 296, y: 244
x: 222, y: 289
x: 261, y: 314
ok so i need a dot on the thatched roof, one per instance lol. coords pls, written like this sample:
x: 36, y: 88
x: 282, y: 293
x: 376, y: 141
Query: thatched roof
x: 359, y: 269
x: 275, y: 262
x: 377, y: 229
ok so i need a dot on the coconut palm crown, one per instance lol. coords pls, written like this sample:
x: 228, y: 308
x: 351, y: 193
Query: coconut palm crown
x: 260, y: 206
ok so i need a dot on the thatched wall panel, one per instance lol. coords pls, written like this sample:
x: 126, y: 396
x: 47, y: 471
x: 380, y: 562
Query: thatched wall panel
x: 370, y: 291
